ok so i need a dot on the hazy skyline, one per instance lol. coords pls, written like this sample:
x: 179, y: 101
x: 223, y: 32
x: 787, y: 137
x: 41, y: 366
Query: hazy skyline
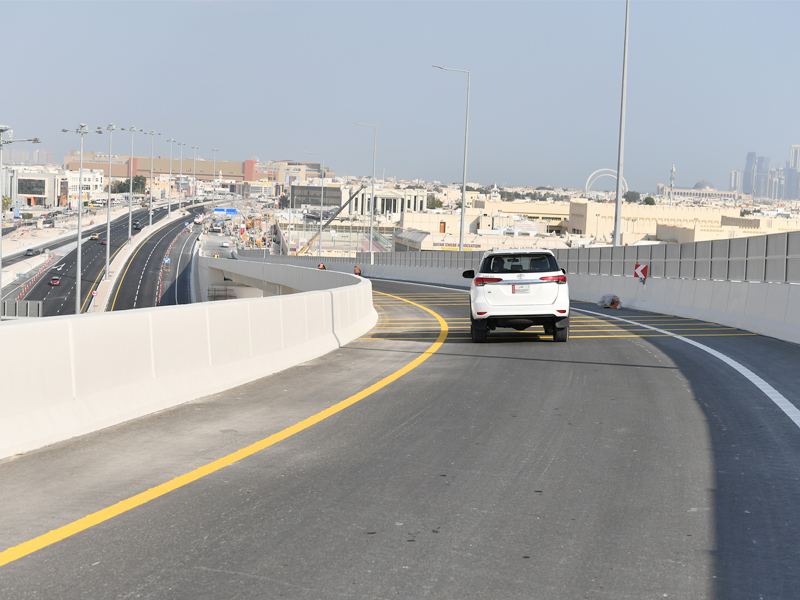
x: 707, y: 83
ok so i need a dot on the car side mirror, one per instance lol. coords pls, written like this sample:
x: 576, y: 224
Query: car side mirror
x: 468, y: 274
x: 563, y: 270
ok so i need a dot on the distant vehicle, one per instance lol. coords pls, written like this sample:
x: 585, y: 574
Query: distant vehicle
x: 94, y: 236
x: 32, y: 252
x: 136, y: 224
x: 198, y: 219
x: 226, y: 244
x: 104, y: 242
x: 55, y: 280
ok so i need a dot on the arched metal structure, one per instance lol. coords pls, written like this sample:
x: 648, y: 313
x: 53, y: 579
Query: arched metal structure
x: 605, y: 173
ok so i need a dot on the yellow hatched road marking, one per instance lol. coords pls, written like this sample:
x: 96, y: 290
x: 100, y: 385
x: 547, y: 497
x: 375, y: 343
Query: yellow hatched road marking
x: 61, y: 533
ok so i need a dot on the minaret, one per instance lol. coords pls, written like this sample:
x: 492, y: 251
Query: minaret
x: 671, y: 184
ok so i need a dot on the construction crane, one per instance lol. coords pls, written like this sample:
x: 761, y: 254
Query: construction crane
x: 329, y: 221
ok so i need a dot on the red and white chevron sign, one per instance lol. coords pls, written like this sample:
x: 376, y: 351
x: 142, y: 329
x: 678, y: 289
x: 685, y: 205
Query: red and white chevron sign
x: 640, y: 271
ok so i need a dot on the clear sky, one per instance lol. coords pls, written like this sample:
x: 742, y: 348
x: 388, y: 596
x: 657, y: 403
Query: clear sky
x: 707, y: 82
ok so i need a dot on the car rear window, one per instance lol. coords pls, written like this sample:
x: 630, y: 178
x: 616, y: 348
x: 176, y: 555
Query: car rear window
x: 519, y: 263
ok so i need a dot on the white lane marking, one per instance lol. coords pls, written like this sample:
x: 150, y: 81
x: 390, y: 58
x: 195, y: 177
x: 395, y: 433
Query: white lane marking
x: 789, y: 409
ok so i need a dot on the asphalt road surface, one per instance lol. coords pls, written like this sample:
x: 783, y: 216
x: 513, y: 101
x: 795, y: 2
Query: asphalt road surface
x: 60, y: 300
x: 138, y: 286
x: 625, y: 463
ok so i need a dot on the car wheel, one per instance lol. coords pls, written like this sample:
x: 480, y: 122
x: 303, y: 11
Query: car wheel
x: 478, y: 335
x: 561, y: 335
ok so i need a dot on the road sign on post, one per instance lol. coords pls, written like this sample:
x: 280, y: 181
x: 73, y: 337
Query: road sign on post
x: 640, y: 271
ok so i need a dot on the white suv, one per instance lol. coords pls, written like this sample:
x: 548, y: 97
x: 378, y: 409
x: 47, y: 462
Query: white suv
x: 517, y: 289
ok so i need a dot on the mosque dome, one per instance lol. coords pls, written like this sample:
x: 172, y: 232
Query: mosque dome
x: 704, y: 185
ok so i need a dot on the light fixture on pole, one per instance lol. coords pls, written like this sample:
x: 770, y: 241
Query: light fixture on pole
x: 169, y: 186
x: 130, y: 187
x: 466, y: 140
x: 321, y: 198
x: 194, y: 174
x: 180, y: 177
x: 372, y: 202
x: 3, y: 142
x: 621, y: 154
x: 81, y: 131
x: 110, y: 129
x: 152, y: 135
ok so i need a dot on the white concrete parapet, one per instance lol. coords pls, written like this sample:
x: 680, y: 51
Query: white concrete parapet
x: 102, y: 369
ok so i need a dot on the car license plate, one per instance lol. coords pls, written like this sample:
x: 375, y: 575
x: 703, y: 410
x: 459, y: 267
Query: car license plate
x: 520, y: 289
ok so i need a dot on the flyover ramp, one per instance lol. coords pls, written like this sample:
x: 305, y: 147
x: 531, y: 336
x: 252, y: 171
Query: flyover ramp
x: 105, y: 368
x: 623, y: 464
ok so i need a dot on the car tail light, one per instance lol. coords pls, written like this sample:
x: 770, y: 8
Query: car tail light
x: 556, y: 278
x: 481, y: 313
x: 484, y: 280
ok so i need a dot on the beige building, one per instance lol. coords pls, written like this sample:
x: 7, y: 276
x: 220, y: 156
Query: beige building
x: 596, y: 219
x: 413, y: 241
x: 553, y: 212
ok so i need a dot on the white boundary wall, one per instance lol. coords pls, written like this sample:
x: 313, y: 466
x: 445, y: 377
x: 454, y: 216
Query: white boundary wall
x: 771, y: 309
x: 767, y: 308
x: 102, y: 369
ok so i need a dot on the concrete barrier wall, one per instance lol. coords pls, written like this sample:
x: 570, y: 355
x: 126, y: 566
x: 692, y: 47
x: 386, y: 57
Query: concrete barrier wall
x: 771, y: 309
x: 766, y: 308
x: 101, y: 369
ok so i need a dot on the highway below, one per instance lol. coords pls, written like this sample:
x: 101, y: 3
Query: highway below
x: 60, y: 300
x: 625, y: 464
x: 148, y: 279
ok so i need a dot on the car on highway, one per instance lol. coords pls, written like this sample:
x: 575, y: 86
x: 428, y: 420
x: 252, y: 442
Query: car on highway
x: 137, y: 224
x: 32, y: 252
x: 519, y: 289
x: 104, y: 242
x: 55, y: 280
x: 94, y: 236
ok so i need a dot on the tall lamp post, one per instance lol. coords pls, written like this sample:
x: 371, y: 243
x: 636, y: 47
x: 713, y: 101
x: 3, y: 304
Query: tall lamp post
x: 169, y: 185
x: 621, y: 154
x: 180, y: 177
x: 130, y: 187
x: 152, y: 135
x: 194, y: 174
x: 81, y: 131
x: 464, y: 181
x: 321, y: 199
x: 3, y: 142
x: 110, y: 129
x: 372, y: 203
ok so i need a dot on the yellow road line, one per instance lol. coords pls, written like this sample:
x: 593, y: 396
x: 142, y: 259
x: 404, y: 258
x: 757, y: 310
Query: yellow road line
x: 130, y: 261
x: 571, y: 336
x: 94, y: 283
x: 56, y: 535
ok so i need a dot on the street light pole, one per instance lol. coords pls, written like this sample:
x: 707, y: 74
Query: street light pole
x: 169, y: 185
x: 111, y: 129
x: 3, y: 142
x: 464, y: 180
x: 621, y: 154
x: 194, y: 175
x: 180, y: 177
x: 152, y: 135
x: 81, y: 130
x: 372, y: 203
x: 130, y: 187
x: 321, y: 198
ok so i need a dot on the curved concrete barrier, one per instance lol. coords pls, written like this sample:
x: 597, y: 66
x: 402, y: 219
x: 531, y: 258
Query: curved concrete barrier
x: 101, y: 369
